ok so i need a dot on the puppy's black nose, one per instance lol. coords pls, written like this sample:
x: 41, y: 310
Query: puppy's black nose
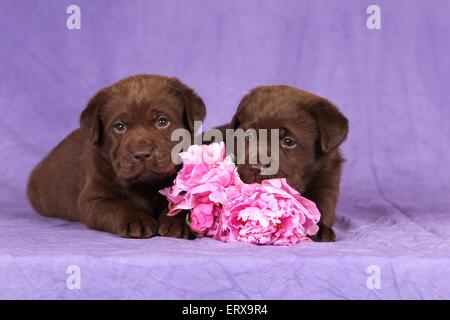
x: 142, y: 155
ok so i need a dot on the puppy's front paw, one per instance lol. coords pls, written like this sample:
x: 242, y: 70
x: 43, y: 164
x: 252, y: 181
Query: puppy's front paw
x: 324, y: 234
x: 174, y: 227
x: 138, y: 227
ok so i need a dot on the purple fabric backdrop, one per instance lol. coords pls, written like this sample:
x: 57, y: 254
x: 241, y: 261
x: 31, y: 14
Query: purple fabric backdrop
x: 391, y: 83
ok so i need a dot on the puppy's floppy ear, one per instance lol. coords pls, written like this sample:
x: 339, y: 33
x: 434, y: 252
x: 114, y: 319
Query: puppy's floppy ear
x: 332, y: 124
x: 234, y: 124
x: 194, y: 107
x: 90, y: 119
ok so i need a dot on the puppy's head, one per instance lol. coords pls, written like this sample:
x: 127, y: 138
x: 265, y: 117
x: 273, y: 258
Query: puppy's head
x: 131, y: 122
x: 309, y: 128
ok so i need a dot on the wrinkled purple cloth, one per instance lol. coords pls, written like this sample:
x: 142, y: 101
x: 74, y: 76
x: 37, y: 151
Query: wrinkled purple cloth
x: 393, y: 84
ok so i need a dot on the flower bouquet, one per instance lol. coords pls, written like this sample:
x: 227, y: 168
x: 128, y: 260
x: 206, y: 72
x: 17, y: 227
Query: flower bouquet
x: 225, y: 208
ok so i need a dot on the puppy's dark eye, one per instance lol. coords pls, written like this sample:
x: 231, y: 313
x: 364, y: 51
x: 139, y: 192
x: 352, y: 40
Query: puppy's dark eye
x: 162, y: 122
x: 288, y: 142
x: 119, y: 127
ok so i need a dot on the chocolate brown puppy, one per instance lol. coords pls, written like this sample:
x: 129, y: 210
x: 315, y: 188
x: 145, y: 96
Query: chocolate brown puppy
x: 311, y: 130
x: 108, y: 172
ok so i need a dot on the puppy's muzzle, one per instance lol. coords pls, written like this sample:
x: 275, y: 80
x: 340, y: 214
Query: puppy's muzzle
x: 142, y: 154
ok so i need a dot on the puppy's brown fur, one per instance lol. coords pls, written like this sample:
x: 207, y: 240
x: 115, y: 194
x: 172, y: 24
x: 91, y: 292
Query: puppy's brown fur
x: 108, y: 172
x: 313, y: 164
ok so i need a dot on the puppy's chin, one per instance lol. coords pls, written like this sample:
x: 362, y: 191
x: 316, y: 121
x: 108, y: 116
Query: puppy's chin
x: 152, y: 176
x: 147, y: 175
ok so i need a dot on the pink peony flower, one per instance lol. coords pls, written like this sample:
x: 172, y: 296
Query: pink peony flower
x: 202, y: 182
x: 202, y: 217
x: 268, y: 213
x: 225, y: 208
